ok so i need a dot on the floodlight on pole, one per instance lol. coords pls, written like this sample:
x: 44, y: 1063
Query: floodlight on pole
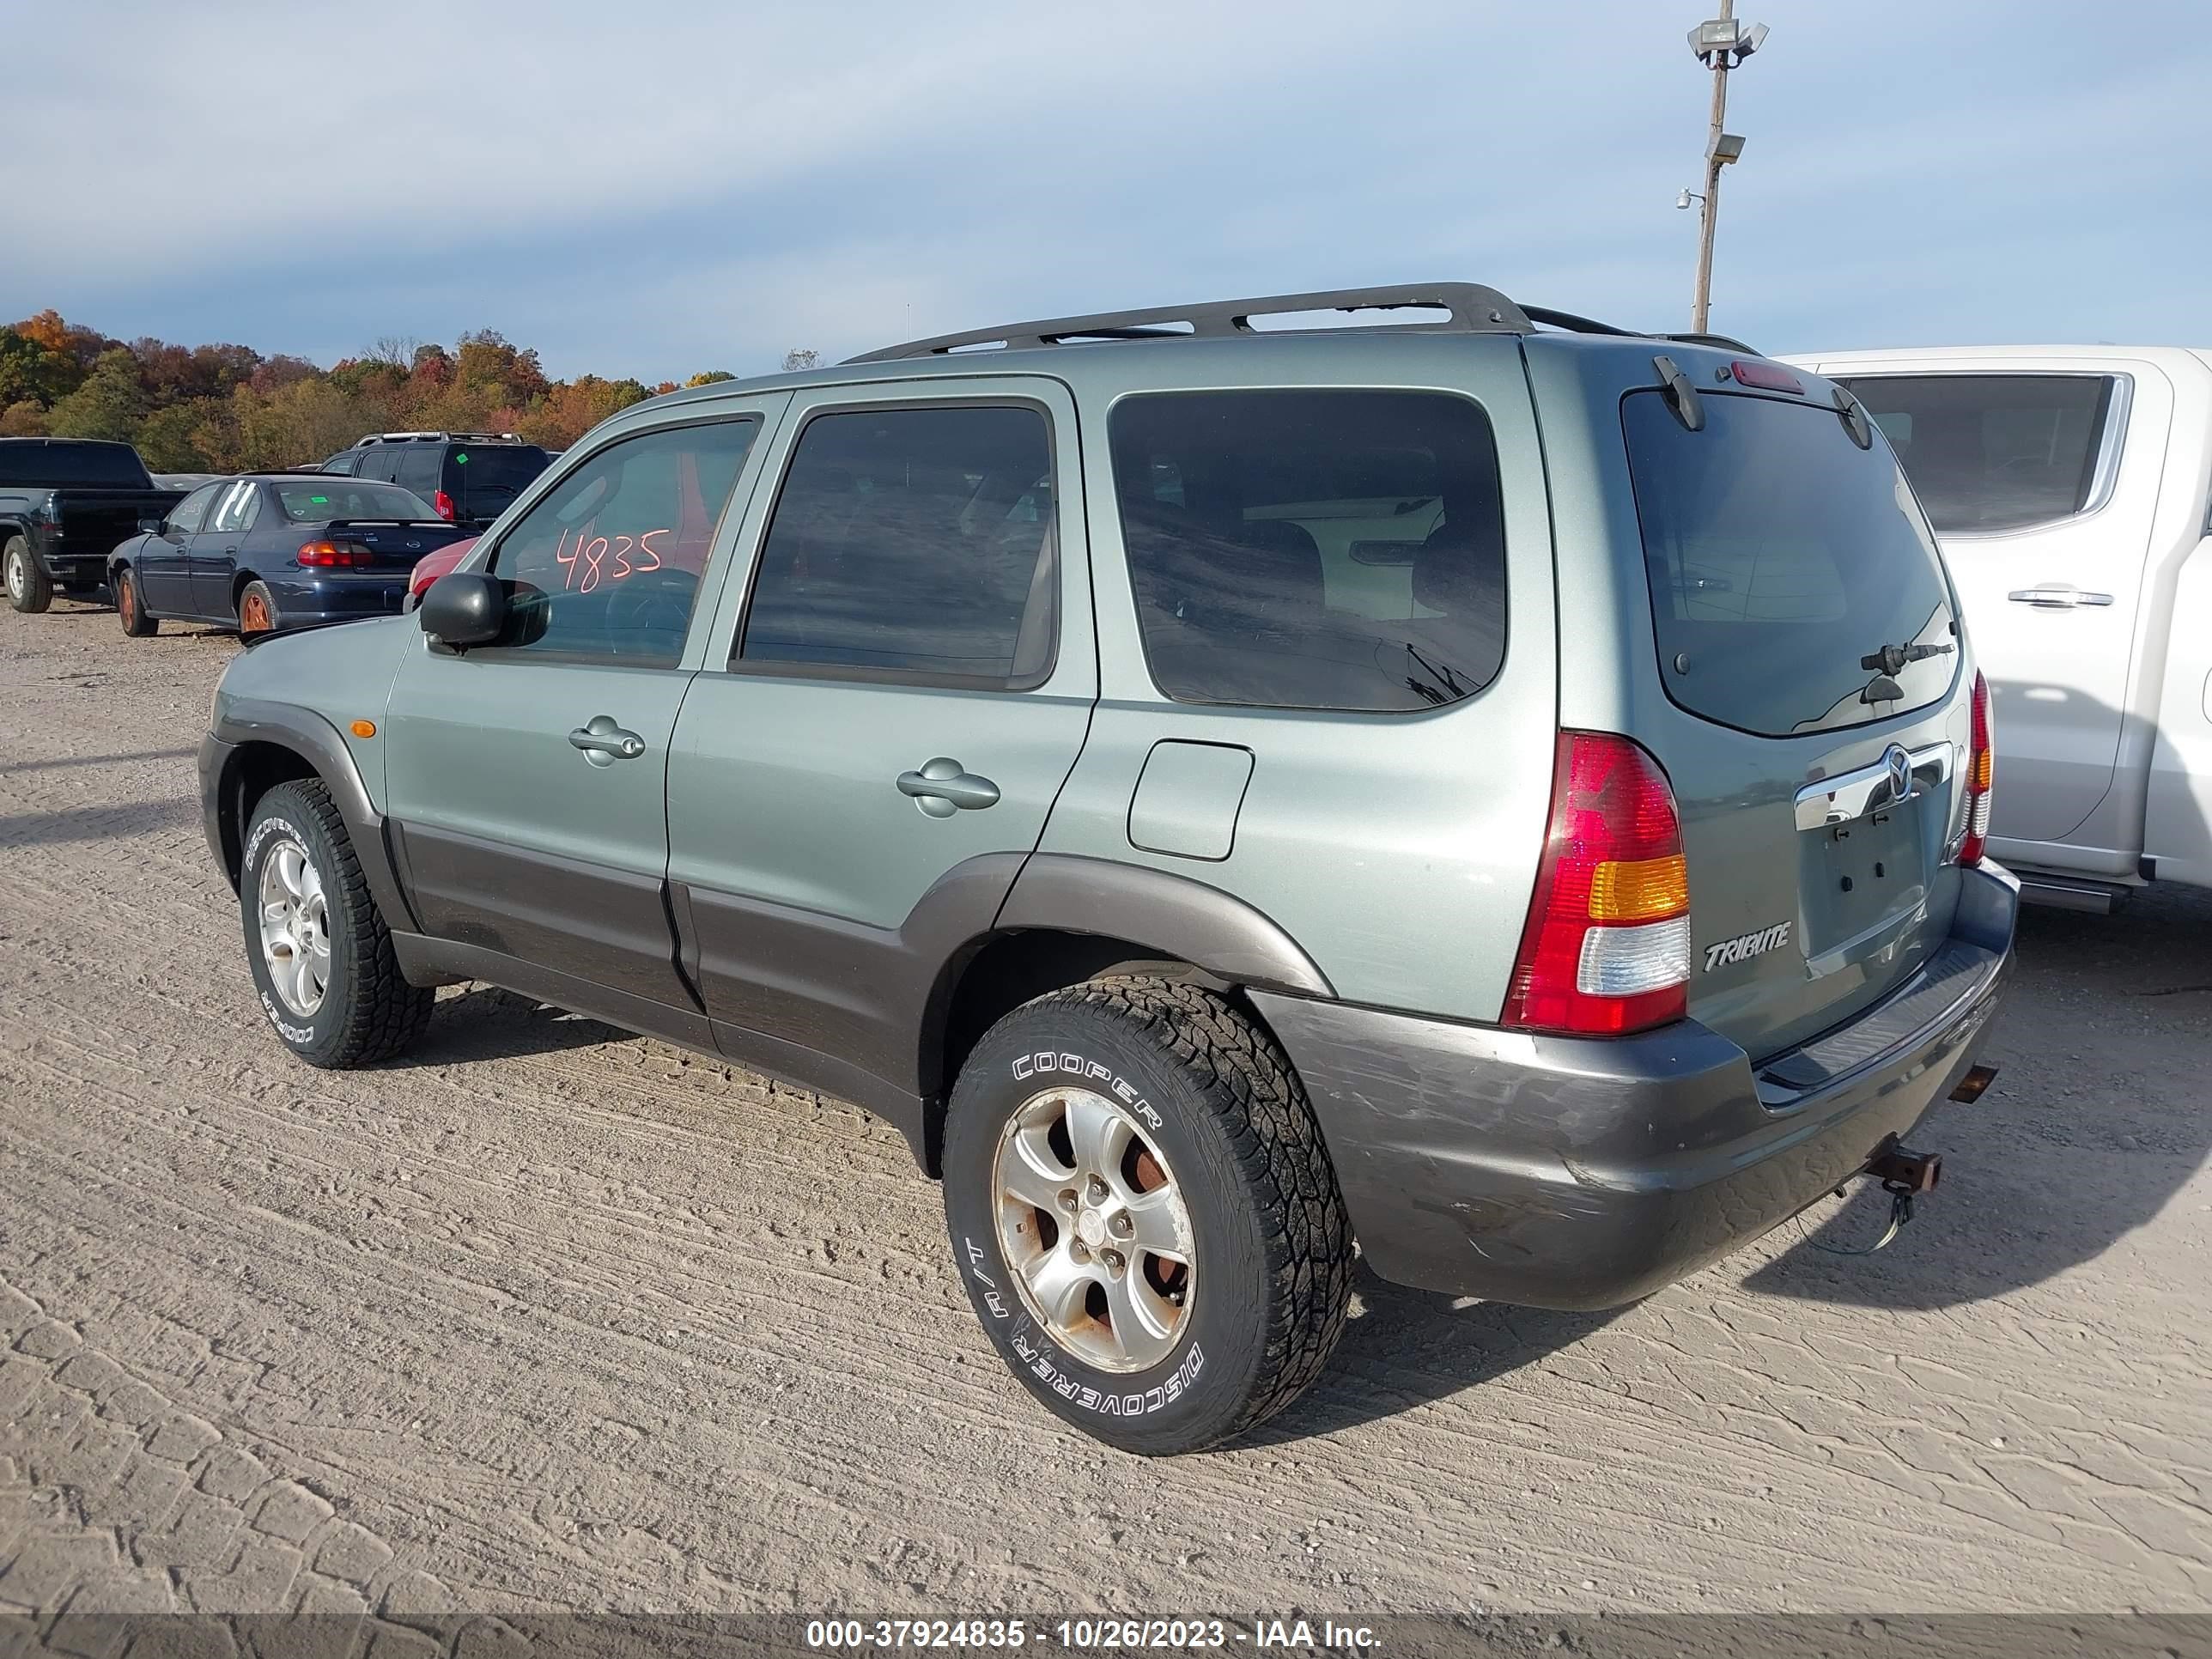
x: 1720, y: 44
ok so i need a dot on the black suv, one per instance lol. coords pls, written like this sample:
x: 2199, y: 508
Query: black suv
x: 468, y: 477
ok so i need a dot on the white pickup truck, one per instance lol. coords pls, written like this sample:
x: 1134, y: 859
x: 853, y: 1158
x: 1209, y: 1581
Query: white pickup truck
x: 2070, y: 487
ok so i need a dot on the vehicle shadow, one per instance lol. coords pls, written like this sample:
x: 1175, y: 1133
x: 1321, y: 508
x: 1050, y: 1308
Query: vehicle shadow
x: 1409, y: 1347
x: 485, y: 1023
x: 139, y: 758
x: 2101, y: 1112
x: 106, y: 821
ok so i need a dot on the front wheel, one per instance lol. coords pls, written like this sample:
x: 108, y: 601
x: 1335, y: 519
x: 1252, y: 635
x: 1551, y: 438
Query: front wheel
x: 320, y: 954
x: 131, y: 607
x: 1144, y: 1212
x: 30, y: 589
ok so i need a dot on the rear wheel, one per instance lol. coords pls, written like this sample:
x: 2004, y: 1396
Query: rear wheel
x: 131, y: 609
x: 1144, y: 1214
x: 320, y: 954
x: 257, y: 609
x: 30, y: 589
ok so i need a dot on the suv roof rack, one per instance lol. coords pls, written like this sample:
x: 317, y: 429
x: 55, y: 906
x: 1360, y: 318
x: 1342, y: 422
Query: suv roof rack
x: 435, y: 437
x: 1474, y: 310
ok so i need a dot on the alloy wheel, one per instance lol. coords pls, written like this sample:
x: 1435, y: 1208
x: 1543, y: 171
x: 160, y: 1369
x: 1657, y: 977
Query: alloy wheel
x: 296, y: 927
x: 1095, y: 1228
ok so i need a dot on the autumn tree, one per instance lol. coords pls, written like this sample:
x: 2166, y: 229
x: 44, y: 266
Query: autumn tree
x: 110, y: 404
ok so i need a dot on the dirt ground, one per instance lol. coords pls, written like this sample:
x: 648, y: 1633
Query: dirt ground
x: 551, y: 1317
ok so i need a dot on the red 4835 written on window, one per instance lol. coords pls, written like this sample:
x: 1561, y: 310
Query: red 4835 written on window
x: 595, y: 560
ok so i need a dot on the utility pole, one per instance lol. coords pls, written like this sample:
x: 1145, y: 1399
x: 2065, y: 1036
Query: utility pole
x: 1722, y: 43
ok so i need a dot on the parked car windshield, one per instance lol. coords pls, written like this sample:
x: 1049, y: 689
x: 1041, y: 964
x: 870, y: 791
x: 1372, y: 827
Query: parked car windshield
x: 483, y: 481
x: 1780, y: 555
x: 1990, y: 453
x: 320, y: 501
x: 63, y: 465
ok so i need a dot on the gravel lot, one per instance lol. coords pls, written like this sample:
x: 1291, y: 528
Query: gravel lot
x: 551, y: 1317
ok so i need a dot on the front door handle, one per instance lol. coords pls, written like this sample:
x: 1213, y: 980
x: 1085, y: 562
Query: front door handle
x: 603, y: 742
x: 944, y: 787
x: 2057, y: 595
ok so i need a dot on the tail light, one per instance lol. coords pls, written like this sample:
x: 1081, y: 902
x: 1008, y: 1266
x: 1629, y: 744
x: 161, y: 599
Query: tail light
x: 1981, y: 771
x: 1606, y: 947
x: 443, y: 505
x: 334, y: 555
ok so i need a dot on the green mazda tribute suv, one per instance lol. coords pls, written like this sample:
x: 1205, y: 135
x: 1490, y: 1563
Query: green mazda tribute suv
x: 1495, y: 793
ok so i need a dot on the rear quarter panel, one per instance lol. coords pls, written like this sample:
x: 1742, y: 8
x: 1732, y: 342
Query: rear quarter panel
x: 1399, y: 850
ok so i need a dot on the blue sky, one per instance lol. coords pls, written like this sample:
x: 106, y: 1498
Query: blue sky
x: 659, y: 188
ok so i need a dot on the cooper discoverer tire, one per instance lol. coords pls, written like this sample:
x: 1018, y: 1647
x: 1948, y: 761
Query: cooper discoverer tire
x: 30, y: 589
x: 1144, y: 1214
x: 131, y: 607
x: 320, y: 954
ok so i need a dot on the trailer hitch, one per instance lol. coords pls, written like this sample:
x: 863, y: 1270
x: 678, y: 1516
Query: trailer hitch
x: 1904, y: 1175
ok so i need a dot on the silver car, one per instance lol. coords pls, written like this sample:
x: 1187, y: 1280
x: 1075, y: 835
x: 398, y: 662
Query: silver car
x: 1501, y: 794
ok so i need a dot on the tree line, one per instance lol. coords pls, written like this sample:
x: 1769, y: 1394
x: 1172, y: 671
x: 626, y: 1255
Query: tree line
x: 227, y: 408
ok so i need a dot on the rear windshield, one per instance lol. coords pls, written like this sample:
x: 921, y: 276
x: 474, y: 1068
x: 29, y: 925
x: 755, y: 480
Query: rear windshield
x: 321, y: 501
x: 1316, y: 549
x: 1784, y: 559
x: 482, y: 481
x: 1988, y: 453
x: 62, y: 465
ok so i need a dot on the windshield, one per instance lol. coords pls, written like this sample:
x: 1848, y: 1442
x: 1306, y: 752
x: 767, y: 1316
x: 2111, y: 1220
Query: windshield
x: 1794, y: 586
x: 58, y: 466
x: 321, y: 500
x: 481, y: 482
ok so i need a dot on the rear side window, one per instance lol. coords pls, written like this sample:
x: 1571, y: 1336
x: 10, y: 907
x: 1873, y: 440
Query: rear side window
x: 913, y: 545
x: 85, y: 465
x: 1313, y: 548
x: 1783, y: 561
x: 380, y: 462
x: 1990, y: 453
x: 483, y: 481
x: 235, y: 513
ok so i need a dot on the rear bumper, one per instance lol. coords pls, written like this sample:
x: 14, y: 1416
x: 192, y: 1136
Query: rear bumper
x: 302, y: 599
x: 1562, y: 1172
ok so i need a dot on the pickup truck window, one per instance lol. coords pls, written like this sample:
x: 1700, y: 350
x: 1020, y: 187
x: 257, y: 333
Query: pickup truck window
x: 73, y: 465
x: 606, y: 566
x: 1990, y: 453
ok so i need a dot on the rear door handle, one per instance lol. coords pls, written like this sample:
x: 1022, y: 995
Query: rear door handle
x: 603, y: 742
x: 2057, y: 595
x: 943, y: 787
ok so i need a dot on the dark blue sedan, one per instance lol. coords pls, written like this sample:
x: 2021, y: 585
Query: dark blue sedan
x: 266, y: 551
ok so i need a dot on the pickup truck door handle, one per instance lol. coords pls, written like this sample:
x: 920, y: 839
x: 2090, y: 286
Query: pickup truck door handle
x: 603, y: 742
x: 2057, y: 595
x: 944, y: 787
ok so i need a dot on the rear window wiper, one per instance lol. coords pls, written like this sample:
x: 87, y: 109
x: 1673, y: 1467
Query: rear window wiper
x: 1890, y: 661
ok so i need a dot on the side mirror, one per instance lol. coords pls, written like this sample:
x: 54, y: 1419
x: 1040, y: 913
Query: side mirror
x: 463, y: 608
x: 151, y: 527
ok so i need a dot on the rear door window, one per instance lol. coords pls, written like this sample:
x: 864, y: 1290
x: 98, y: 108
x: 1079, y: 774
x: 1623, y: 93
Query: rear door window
x: 913, y: 545
x: 1993, y: 453
x: 1313, y: 548
x: 381, y: 461
x: 418, y: 468
x: 235, y: 513
x: 1784, y: 563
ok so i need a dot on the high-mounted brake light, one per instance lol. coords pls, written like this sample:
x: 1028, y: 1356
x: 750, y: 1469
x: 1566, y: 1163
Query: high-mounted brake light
x: 1606, y: 947
x: 1981, y: 773
x: 1768, y: 377
x: 329, y: 555
x: 442, y: 504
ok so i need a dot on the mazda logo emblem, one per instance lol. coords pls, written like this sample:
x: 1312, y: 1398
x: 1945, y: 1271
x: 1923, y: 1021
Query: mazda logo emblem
x: 1901, y: 772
